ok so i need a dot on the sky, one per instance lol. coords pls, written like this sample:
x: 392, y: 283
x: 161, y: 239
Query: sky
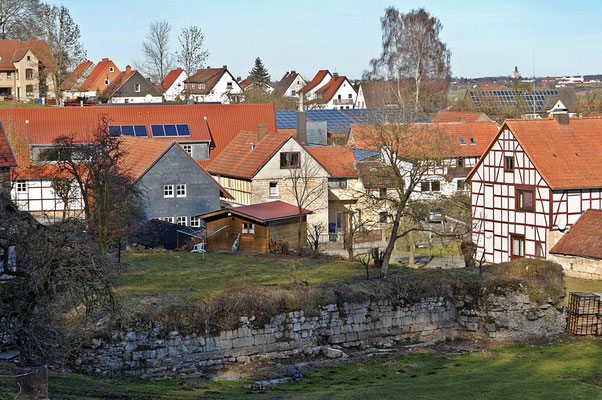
x: 486, y: 38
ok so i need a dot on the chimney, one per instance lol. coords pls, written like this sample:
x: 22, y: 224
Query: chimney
x: 335, y: 75
x: 301, y: 126
x: 225, y: 67
x: 293, y: 72
x: 562, y: 118
x: 262, y: 130
x: 128, y: 68
x: 105, y: 59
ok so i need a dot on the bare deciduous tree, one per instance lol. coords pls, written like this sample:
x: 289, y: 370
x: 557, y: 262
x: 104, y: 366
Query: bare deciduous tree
x: 412, y: 52
x: 306, y: 188
x: 65, y: 190
x: 18, y: 19
x: 157, y: 60
x: 314, y: 232
x: 191, y: 56
x: 63, y: 37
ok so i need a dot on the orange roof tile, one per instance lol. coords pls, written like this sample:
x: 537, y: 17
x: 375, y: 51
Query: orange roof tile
x: 460, y: 116
x: 328, y: 91
x: 118, y: 82
x: 14, y: 50
x: 566, y: 156
x: 170, y: 79
x: 482, y: 133
x: 96, y: 74
x: 584, y: 239
x: 243, y: 160
x: 316, y: 81
x: 75, y: 75
x: 338, y: 161
x: 7, y: 159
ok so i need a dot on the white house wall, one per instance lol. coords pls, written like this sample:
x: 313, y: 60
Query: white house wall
x: 347, y: 99
x: 220, y: 91
x: 176, y: 88
x: 40, y: 199
x: 295, y: 86
x: 311, y: 94
x: 137, y: 100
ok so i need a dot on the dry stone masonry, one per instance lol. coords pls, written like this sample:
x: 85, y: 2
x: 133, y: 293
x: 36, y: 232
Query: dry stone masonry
x: 150, y: 352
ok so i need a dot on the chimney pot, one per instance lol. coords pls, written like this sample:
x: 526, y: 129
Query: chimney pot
x: 128, y: 68
x: 225, y: 67
x: 562, y: 119
x: 262, y: 131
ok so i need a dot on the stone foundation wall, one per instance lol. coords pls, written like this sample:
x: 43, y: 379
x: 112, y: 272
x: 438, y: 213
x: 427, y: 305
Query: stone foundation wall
x: 150, y: 352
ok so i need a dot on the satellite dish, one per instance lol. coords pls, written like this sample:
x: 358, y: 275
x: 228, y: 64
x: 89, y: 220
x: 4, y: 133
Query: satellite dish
x: 148, y: 98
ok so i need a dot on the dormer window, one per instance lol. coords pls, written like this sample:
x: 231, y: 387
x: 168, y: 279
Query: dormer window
x: 462, y: 141
x: 472, y: 141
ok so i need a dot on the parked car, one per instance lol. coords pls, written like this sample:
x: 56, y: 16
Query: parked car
x: 435, y: 214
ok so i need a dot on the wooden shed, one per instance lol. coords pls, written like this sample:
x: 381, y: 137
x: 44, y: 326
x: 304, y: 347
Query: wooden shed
x: 255, y: 225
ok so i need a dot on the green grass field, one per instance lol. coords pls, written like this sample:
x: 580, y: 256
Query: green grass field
x: 18, y: 104
x: 568, y: 369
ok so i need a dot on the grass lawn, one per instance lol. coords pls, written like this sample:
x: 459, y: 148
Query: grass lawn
x: 187, y: 275
x: 581, y: 285
x: 568, y: 369
x: 18, y: 104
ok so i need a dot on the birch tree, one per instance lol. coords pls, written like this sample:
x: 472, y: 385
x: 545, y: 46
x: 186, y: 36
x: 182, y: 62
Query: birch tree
x: 157, y: 59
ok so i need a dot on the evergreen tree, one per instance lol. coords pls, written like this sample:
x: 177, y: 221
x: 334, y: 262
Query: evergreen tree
x: 259, y: 75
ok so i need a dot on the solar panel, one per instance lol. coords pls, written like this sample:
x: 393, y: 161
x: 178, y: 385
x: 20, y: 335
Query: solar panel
x: 157, y: 130
x: 170, y: 130
x: 141, y: 130
x: 127, y: 130
x: 286, y: 119
x: 114, y: 130
x: 183, y: 130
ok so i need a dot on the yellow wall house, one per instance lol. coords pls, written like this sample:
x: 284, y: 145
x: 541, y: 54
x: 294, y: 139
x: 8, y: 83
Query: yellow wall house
x: 22, y: 69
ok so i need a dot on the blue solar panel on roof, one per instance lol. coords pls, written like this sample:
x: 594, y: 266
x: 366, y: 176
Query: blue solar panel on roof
x: 157, y: 130
x: 141, y: 130
x: 170, y: 130
x: 183, y: 130
x: 127, y: 130
x: 114, y: 130
x: 286, y: 119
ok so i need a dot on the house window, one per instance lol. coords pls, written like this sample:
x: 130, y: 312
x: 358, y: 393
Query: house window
x: 472, y: 141
x: 433, y: 186
x: 28, y: 58
x: 137, y: 87
x: 382, y: 217
x: 9, y: 75
x: 187, y: 148
x: 462, y: 141
x: 229, y: 85
x: 524, y: 199
x: 202, y: 85
x: 168, y: 219
x: 248, y: 228
x: 339, y: 97
x: 289, y: 160
x: 293, y: 92
x: 106, y: 82
x: 111, y: 69
x: 195, y: 222
x: 181, y: 190
x: 29, y: 90
x: 181, y: 221
x: 461, y: 184
x: 460, y: 162
x: 382, y: 193
x: 338, y: 183
x: 273, y: 189
x: 21, y: 186
x: 126, y: 100
x: 167, y: 190
x: 517, y: 246
x: 508, y: 163
x: 350, y: 96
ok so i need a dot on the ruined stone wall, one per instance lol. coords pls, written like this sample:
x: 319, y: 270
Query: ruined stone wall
x: 152, y: 352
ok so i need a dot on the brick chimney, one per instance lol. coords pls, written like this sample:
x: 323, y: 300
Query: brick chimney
x: 562, y: 119
x: 262, y: 131
x: 128, y: 68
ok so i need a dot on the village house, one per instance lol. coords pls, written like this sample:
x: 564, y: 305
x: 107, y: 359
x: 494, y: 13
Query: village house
x: 532, y: 185
x: 258, y: 167
x: 173, y: 85
x: 321, y: 78
x: 461, y: 116
x: 214, y: 85
x: 464, y: 144
x: 256, y: 226
x: 290, y: 85
x: 88, y: 80
x: 337, y: 92
x: 131, y: 87
x: 175, y: 188
x: 23, y: 66
x: 203, y: 131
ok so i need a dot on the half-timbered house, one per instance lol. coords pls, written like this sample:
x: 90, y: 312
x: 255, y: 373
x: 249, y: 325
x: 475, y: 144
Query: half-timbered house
x: 533, y: 182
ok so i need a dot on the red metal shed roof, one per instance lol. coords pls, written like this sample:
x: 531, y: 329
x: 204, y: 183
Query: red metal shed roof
x: 272, y: 210
x: 584, y: 239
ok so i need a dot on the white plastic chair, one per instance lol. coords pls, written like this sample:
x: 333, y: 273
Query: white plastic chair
x: 199, y: 248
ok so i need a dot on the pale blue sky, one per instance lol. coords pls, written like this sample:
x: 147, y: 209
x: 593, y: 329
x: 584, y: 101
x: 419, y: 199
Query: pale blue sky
x: 485, y: 37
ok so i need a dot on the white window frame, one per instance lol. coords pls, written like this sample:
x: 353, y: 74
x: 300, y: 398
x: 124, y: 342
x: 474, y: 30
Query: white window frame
x: 137, y: 87
x: 168, y: 219
x: 187, y: 148
x: 111, y: 69
x: 21, y: 187
x: 248, y: 228
x: 182, y: 220
x: 168, y: 191
x: 273, y: 193
x: 181, y: 190
x: 195, y: 222
x: 106, y: 82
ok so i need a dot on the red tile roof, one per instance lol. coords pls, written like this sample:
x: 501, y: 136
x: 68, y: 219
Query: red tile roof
x: 584, y: 239
x: 316, y: 81
x: 218, y: 123
x: 566, y: 156
x: 7, y: 159
x: 482, y: 133
x: 461, y: 116
x: 170, y: 79
x: 97, y: 73
x: 14, y: 50
x: 338, y: 161
x: 264, y: 212
x: 208, y: 76
x: 119, y: 81
x: 240, y: 159
x: 329, y: 90
x: 75, y: 75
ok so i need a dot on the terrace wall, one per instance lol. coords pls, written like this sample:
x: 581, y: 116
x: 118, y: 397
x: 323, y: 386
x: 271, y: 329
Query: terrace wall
x: 152, y: 352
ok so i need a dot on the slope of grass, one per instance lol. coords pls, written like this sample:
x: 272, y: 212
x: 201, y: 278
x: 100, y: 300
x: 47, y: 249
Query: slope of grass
x: 18, y: 104
x: 568, y: 369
